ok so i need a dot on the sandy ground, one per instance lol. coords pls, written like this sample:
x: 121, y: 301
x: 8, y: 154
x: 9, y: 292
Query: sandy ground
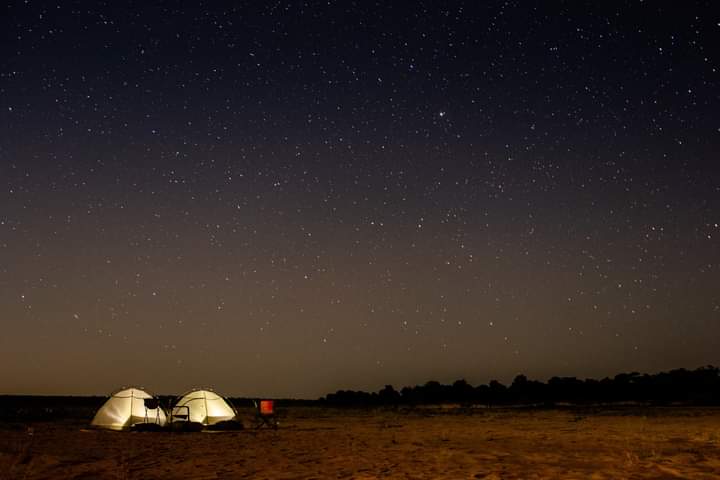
x: 317, y: 443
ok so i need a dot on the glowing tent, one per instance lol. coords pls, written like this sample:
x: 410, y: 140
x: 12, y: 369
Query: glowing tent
x: 203, y: 406
x: 128, y: 407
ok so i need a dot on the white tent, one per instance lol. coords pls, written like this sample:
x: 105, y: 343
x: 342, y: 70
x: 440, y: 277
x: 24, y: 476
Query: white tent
x: 203, y: 406
x: 126, y: 408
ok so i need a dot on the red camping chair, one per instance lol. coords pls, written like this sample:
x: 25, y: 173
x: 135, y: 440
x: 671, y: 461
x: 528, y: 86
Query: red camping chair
x: 265, y: 414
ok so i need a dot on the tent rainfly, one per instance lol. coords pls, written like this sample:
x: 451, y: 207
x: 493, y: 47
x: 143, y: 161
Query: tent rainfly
x: 126, y: 408
x: 203, y: 406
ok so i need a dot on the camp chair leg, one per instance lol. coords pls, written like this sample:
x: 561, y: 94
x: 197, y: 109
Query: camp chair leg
x: 268, y: 422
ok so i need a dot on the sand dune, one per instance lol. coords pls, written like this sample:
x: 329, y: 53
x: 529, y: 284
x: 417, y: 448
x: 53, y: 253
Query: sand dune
x: 416, y: 444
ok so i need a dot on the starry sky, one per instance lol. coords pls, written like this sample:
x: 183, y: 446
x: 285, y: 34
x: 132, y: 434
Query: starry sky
x: 289, y: 198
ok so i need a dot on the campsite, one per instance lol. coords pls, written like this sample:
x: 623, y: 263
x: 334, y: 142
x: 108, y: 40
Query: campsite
x: 55, y: 441
x: 360, y: 240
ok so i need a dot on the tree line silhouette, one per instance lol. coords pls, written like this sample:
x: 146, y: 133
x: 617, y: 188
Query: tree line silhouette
x: 690, y: 387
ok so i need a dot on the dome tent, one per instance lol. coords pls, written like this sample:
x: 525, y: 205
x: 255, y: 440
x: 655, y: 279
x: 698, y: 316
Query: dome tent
x: 203, y: 406
x: 128, y: 407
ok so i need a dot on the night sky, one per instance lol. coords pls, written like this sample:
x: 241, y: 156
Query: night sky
x: 286, y: 198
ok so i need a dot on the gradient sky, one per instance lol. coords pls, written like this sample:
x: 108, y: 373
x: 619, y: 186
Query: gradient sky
x: 289, y: 198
